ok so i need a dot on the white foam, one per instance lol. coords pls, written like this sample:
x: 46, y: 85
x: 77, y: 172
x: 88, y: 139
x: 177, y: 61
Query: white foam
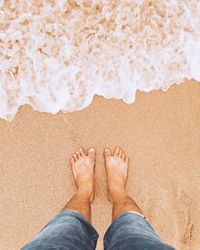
x: 56, y: 55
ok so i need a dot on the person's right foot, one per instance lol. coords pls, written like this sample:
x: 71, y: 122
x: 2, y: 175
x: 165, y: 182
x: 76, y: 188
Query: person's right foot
x: 117, y: 169
x: 83, y: 163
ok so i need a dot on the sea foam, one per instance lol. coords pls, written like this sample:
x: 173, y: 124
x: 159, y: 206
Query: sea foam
x: 55, y: 55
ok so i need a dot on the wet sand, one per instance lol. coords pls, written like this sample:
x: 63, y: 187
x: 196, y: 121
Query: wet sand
x: 161, y: 134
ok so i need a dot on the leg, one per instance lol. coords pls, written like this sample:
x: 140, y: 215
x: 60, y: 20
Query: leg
x: 129, y: 229
x: 71, y: 230
x: 117, y: 169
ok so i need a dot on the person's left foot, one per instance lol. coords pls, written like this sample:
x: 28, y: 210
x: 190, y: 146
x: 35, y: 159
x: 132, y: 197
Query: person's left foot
x: 83, y: 163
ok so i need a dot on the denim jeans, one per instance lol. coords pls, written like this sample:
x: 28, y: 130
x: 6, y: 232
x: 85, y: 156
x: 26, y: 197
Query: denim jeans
x: 69, y: 230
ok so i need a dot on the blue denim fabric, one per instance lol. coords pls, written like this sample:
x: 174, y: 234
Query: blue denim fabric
x: 131, y: 231
x: 69, y: 230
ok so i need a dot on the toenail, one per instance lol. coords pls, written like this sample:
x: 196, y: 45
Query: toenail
x: 92, y: 149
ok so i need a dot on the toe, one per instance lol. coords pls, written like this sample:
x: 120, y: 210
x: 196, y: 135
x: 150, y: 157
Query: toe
x: 116, y: 153
x: 120, y: 153
x: 126, y: 160
x: 107, y: 152
x: 123, y: 156
x: 75, y: 157
x: 72, y: 160
x: 78, y: 155
x: 81, y: 151
x: 91, y: 153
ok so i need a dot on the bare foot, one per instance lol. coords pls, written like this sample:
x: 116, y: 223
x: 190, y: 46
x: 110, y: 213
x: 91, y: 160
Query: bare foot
x: 83, y: 163
x: 117, y: 169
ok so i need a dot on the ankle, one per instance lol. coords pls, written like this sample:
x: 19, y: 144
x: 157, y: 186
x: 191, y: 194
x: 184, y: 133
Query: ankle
x: 117, y: 194
x: 85, y: 192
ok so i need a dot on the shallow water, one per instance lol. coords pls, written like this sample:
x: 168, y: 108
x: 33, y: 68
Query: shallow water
x: 56, y: 55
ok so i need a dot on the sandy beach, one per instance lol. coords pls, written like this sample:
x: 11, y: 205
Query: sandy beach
x: 161, y: 134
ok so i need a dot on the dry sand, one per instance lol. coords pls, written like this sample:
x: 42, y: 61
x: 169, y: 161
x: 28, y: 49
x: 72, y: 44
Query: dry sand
x: 161, y: 134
